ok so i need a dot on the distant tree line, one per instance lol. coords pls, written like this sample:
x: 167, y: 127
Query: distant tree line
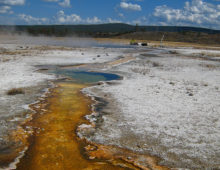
x: 119, y: 30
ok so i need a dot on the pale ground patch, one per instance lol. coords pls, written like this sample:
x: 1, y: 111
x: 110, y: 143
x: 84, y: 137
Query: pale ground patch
x: 167, y: 106
x: 201, y: 52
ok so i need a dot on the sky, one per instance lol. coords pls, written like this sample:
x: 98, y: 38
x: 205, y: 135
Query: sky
x: 197, y: 13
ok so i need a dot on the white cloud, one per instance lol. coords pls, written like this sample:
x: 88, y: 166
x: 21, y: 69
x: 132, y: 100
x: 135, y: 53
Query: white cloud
x: 194, y: 13
x: 65, y: 3
x: 12, y: 2
x: 130, y: 6
x: 5, y: 9
x: 62, y: 18
x: 93, y: 20
x: 32, y: 20
x: 110, y: 20
x: 5, y: 5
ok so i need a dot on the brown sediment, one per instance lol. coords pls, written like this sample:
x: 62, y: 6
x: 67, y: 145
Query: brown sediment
x: 121, y: 60
x: 115, y: 153
x: 74, y: 66
x: 19, y: 138
x: 54, y: 143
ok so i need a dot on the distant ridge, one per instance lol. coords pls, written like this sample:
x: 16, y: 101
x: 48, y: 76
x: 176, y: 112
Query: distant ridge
x: 179, y: 29
x: 113, y: 28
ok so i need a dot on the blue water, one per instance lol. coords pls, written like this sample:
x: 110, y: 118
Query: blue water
x: 81, y: 76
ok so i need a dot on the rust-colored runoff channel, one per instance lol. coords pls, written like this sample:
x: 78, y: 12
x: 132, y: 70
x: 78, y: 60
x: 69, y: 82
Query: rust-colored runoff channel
x: 54, y: 144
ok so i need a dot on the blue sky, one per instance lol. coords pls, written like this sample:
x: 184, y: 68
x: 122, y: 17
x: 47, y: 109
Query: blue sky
x: 199, y: 13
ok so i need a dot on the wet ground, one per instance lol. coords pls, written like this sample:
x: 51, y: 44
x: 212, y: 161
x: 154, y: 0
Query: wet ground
x: 54, y: 143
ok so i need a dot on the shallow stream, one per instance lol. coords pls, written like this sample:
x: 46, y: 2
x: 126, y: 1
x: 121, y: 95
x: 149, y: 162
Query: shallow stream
x: 54, y: 143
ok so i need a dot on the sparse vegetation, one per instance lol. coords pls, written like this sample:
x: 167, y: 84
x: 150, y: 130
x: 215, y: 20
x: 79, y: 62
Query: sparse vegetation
x: 155, y: 64
x: 209, y: 66
x: 173, y: 52
x: 4, y: 59
x: 142, y: 71
x: 15, y: 91
x: 14, y: 52
x: 133, y: 42
x: 190, y: 37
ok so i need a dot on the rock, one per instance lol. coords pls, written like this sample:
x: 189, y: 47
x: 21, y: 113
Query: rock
x: 190, y: 94
x: 172, y: 83
x: 144, y: 44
